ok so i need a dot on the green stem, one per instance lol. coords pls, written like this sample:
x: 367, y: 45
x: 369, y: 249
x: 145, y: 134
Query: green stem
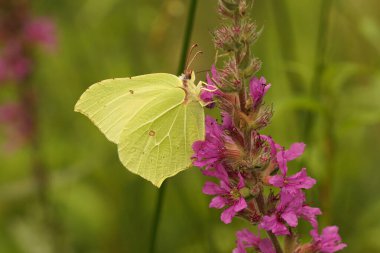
x: 181, y: 66
x: 319, y: 67
x: 287, y: 42
x: 40, y: 174
x: 187, y: 35
x: 260, y: 202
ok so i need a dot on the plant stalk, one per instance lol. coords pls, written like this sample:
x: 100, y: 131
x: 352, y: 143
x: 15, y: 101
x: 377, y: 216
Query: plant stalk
x: 320, y: 64
x: 261, y: 205
x: 287, y: 43
x: 319, y: 69
x: 181, y: 67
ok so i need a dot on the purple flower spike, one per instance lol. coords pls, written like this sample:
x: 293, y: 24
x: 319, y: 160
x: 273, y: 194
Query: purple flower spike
x: 228, y: 194
x: 246, y: 239
x: 258, y: 88
x: 329, y: 241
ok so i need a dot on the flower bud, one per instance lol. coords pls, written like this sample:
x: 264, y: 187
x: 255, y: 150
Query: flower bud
x: 252, y: 68
x: 227, y: 7
x: 245, y: 192
x: 244, y: 5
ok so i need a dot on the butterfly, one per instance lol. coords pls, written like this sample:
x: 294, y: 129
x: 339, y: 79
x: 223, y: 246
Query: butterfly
x: 154, y: 120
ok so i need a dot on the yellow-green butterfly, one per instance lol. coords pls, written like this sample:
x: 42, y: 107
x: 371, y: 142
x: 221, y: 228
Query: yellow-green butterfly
x: 154, y: 119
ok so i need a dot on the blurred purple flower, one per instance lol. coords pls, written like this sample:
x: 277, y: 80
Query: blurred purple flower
x: 329, y: 241
x: 14, y: 65
x: 42, y: 31
x: 258, y: 88
x: 16, y: 124
x: 228, y: 194
x: 3, y: 70
x: 246, y: 239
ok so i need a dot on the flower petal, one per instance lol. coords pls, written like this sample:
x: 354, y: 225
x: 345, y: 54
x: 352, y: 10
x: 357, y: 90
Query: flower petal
x: 295, y: 150
x: 240, y: 205
x: 228, y: 214
x: 290, y: 218
x: 218, y: 202
x: 266, y: 246
x: 277, y: 180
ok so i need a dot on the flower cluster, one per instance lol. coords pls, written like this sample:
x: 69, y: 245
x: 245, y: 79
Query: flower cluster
x: 251, y: 169
x: 20, y: 34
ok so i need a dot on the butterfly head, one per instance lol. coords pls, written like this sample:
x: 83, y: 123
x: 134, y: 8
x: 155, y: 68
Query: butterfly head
x: 188, y: 75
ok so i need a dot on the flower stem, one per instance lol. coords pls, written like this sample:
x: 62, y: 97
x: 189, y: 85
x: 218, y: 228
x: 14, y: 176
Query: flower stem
x: 40, y: 174
x: 181, y: 66
x: 275, y: 242
x: 261, y: 205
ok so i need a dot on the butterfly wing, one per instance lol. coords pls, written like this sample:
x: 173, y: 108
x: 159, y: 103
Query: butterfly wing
x: 111, y: 103
x: 156, y: 143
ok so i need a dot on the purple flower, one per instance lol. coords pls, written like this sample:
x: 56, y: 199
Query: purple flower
x: 41, y: 31
x: 273, y: 146
x: 258, y: 88
x: 246, y: 239
x: 309, y: 214
x: 329, y: 241
x: 290, y: 207
x: 283, y: 156
x: 291, y: 184
x: 287, y: 211
x: 211, y: 90
x: 217, y: 146
x: 228, y: 194
x: 209, y: 151
x: 13, y: 64
x: 275, y: 224
x: 299, y: 180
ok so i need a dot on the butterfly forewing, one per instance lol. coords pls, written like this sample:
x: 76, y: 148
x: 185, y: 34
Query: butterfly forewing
x: 110, y: 104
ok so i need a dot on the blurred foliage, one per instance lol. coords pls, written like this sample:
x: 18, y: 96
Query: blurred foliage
x: 95, y: 205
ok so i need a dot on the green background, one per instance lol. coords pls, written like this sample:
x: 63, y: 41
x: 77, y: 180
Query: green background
x: 95, y: 205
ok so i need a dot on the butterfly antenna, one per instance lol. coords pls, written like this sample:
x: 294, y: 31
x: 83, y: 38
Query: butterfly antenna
x: 202, y: 71
x: 195, y: 56
x: 188, y: 55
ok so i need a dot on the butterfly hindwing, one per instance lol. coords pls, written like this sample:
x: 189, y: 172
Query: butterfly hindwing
x: 160, y: 147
